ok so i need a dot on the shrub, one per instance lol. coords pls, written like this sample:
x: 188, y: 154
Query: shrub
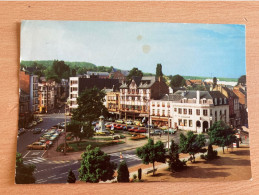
x: 139, y: 174
x: 123, y: 172
x: 134, y: 177
x: 211, y: 154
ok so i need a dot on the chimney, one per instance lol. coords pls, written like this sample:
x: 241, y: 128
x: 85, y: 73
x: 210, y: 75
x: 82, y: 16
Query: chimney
x: 198, y: 97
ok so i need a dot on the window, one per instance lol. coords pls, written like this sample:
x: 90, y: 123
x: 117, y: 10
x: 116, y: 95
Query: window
x: 210, y: 112
x: 220, y: 100
x: 205, y: 112
x: 204, y: 101
x: 190, y: 123
x: 179, y: 122
x: 158, y: 112
x: 185, y: 111
x: 215, y: 101
x: 175, y: 109
x: 216, y: 117
x: 190, y: 111
x: 163, y: 112
x: 163, y: 104
x: 179, y: 110
x: 225, y: 100
x: 184, y: 100
x: 197, y: 111
x: 168, y: 113
x: 168, y: 105
x: 185, y: 122
x: 194, y: 100
x: 153, y: 112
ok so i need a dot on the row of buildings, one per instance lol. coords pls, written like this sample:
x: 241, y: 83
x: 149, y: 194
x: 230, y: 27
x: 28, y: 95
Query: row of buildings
x: 149, y: 98
x: 36, y: 95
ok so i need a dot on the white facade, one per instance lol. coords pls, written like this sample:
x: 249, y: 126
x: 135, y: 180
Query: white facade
x: 73, y: 92
x: 188, y: 114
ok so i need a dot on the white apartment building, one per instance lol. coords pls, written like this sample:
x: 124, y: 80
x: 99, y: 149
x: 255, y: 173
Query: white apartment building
x: 73, y: 92
x: 190, y: 110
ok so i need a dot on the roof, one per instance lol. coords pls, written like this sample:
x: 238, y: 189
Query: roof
x: 229, y: 92
x: 203, y: 94
x: 172, y: 97
x: 144, y: 82
x: 216, y: 94
x: 97, y: 73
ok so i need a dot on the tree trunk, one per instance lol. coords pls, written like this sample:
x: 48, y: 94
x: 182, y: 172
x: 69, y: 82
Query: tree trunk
x: 223, y: 150
x: 154, y: 168
x: 193, y: 157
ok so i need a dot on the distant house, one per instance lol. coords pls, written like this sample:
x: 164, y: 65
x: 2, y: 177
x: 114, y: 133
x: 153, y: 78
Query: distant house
x: 121, y: 75
x: 100, y: 75
x: 242, y: 95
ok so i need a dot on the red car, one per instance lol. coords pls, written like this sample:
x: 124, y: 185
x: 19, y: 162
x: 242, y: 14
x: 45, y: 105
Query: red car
x: 133, y: 129
x: 141, y: 130
x: 119, y: 127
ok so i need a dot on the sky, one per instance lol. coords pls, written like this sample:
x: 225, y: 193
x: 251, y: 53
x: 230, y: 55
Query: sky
x: 186, y: 49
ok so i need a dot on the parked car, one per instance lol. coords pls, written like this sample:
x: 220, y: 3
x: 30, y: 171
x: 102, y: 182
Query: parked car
x: 119, y: 127
x: 164, y: 127
x: 37, y: 146
x: 150, y: 126
x: 36, y: 131
x: 34, y: 123
x: 142, y: 130
x: 47, y: 142
x: 39, y: 120
x: 171, y: 131
x: 129, y: 122
x: 21, y: 131
x: 156, y: 132
x: 133, y: 129
x: 119, y: 121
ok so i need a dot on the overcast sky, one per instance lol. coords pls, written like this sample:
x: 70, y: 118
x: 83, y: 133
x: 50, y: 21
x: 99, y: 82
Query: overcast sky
x: 185, y: 49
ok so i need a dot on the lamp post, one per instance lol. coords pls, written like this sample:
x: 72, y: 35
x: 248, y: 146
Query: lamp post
x: 168, y: 122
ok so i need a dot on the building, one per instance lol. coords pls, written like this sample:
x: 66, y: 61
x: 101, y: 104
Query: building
x: 24, y: 112
x: 100, y: 75
x: 234, y: 112
x: 78, y: 84
x: 47, y: 96
x: 120, y: 74
x: 242, y: 95
x: 135, y: 96
x: 190, y: 110
x: 113, y: 102
x: 28, y: 83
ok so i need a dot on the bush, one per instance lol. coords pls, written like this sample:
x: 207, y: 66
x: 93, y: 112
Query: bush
x: 211, y: 154
x: 134, y: 177
x: 123, y: 172
x: 139, y: 174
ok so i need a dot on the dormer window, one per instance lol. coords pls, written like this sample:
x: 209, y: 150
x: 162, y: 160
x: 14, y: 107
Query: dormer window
x: 220, y: 100
x: 225, y: 100
x: 204, y: 101
x: 194, y: 100
x: 215, y: 101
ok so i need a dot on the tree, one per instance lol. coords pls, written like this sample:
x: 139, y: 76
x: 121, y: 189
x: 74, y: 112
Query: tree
x: 221, y: 134
x: 90, y: 107
x: 134, y: 72
x: 59, y: 70
x: 215, y: 80
x: 123, y: 172
x: 175, y: 164
x: 96, y: 166
x: 151, y: 153
x: 159, y: 72
x: 71, y: 178
x: 139, y: 174
x: 79, y: 130
x: 192, y: 144
x: 177, y: 81
x: 242, y: 80
x: 24, y: 173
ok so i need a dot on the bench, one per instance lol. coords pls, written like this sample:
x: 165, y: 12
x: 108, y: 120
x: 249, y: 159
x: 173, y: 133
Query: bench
x: 151, y: 171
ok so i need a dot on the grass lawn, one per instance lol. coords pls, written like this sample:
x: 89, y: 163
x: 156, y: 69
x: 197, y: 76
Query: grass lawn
x: 80, y: 146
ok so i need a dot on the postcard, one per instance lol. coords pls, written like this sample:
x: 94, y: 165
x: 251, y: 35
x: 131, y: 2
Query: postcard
x: 112, y: 102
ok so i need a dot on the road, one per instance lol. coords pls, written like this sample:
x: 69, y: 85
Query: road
x: 57, y: 171
x: 27, y: 138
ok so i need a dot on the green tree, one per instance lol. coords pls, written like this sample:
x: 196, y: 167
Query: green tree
x: 177, y: 81
x: 192, y: 144
x: 90, y: 107
x: 242, y: 80
x: 96, y: 166
x: 59, y: 70
x: 134, y: 72
x: 71, y: 178
x: 175, y: 164
x: 197, y: 87
x: 215, y: 80
x: 139, y: 174
x: 151, y: 153
x: 80, y: 129
x: 24, y: 173
x: 159, y: 72
x: 221, y: 134
x: 123, y: 172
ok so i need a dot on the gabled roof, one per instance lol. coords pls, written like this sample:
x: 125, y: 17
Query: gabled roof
x: 144, y: 82
x: 172, y: 97
x: 229, y: 92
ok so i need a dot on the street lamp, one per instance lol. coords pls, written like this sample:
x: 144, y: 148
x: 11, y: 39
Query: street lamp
x: 168, y: 122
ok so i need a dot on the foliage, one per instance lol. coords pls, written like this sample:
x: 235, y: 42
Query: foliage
x: 24, y: 173
x: 71, y: 178
x: 80, y: 130
x: 90, y: 107
x: 159, y: 72
x: 139, y: 174
x: 242, y: 80
x: 177, y: 81
x: 134, y: 177
x: 134, y: 72
x: 96, y: 166
x: 175, y: 164
x: 192, y: 144
x: 211, y: 154
x: 59, y: 70
x: 221, y: 134
x: 197, y: 87
x: 123, y: 172
x: 151, y: 153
